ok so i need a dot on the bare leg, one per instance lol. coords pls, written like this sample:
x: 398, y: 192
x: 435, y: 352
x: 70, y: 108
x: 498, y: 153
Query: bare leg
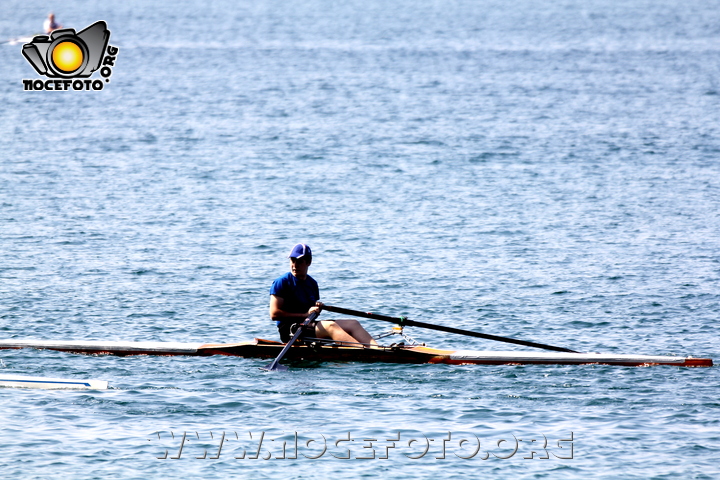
x: 356, y: 330
x: 343, y: 331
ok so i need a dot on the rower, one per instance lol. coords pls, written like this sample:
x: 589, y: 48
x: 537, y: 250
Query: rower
x: 295, y: 295
x: 50, y: 24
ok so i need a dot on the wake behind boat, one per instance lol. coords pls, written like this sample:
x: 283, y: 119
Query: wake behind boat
x: 318, y: 350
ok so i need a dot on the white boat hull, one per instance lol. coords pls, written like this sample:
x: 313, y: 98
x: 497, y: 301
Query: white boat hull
x: 51, y: 383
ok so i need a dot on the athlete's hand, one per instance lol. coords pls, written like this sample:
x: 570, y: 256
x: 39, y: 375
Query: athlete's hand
x: 318, y: 306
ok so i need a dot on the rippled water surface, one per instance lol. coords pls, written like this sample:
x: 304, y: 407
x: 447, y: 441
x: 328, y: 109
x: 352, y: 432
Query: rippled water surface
x: 541, y: 170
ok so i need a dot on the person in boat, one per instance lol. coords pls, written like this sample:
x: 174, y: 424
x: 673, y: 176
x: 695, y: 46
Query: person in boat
x: 295, y: 295
x: 51, y: 24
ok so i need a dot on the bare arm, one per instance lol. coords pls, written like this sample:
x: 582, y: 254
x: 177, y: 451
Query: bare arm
x: 277, y: 312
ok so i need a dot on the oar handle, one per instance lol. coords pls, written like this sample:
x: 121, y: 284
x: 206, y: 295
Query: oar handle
x: 402, y: 321
x: 357, y: 313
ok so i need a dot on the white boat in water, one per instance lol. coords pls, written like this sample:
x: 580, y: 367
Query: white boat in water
x: 51, y: 383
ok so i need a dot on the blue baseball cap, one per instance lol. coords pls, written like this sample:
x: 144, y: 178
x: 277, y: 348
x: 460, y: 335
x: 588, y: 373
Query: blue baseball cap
x: 301, y: 250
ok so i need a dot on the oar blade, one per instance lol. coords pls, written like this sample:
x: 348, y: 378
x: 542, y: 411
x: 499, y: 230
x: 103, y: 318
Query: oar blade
x: 274, y: 367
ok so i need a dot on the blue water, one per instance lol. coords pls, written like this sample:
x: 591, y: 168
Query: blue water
x: 541, y: 170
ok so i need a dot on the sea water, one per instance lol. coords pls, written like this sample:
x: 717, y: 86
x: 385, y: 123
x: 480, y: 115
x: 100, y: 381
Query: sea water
x: 547, y: 171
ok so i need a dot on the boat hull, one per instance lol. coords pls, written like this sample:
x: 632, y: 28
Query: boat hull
x: 259, y: 348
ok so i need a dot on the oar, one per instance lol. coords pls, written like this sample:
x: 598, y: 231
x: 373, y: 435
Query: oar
x: 275, y: 364
x: 402, y: 321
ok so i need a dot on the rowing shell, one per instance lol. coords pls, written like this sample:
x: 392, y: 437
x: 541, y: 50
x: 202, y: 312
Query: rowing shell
x: 259, y: 348
x: 51, y: 383
x: 16, y: 41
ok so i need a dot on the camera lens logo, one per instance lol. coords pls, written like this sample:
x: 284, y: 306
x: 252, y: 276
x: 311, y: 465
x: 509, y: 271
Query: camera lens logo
x: 68, y: 57
x: 65, y: 54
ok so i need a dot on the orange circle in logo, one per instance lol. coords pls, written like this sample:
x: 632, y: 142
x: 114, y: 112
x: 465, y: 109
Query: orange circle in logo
x: 67, y: 56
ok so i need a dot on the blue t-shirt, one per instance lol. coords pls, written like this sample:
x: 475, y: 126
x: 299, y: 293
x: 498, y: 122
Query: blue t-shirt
x: 298, y: 295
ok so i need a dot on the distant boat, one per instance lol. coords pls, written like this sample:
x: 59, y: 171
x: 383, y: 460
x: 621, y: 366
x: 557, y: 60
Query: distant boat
x: 51, y: 383
x: 19, y: 40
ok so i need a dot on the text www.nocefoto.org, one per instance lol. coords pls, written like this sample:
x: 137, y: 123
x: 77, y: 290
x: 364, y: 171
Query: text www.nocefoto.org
x: 260, y: 445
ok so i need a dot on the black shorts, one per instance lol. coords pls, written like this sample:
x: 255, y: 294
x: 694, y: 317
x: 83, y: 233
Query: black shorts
x: 288, y: 329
